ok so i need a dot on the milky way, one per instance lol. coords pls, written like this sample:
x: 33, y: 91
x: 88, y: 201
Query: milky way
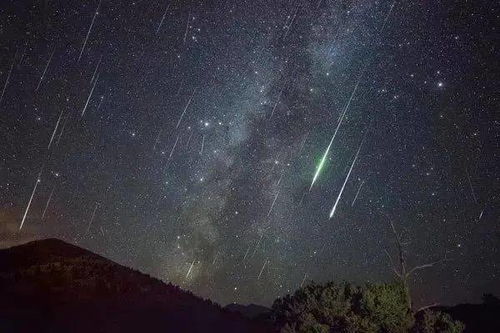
x: 181, y: 138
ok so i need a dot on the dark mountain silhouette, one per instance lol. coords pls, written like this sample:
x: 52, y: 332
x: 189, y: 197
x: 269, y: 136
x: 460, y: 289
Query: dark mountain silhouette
x: 483, y: 317
x: 251, y: 311
x: 53, y: 286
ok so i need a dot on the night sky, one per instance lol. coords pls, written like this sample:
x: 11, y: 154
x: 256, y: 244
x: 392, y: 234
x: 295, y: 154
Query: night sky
x: 181, y: 138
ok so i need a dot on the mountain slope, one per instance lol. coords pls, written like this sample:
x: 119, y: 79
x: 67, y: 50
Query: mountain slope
x: 251, y: 311
x: 52, y: 286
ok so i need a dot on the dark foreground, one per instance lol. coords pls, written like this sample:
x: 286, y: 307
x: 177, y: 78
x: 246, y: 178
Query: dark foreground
x: 52, y: 286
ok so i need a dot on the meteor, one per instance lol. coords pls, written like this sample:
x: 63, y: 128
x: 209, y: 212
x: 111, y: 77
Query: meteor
x: 189, y: 139
x: 277, y: 102
x: 100, y: 103
x: 262, y: 269
x: 246, y: 253
x: 31, y: 198
x: 357, y: 193
x: 92, y: 218
x: 95, y: 71
x: 162, y: 19
x: 258, y: 243
x: 185, y: 109
x: 345, y: 181
x: 45, y: 70
x: 90, y: 29
x: 303, y: 143
x: 187, y: 29
x: 48, y: 202
x: 8, y: 78
x: 291, y: 23
x: 323, y: 159
x: 387, y: 16
x: 90, y: 95
x: 62, y: 129
x: 55, y: 129
x: 272, y: 205
x: 279, y: 180
x: 173, y: 148
x: 190, y: 268
x: 303, y: 280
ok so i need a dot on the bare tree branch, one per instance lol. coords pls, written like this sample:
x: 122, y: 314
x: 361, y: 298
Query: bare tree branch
x: 392, y: 264
x: 426, y: 307
x: 419, y: 267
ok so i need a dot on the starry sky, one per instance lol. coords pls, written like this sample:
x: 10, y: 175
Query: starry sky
x: 181, y: 138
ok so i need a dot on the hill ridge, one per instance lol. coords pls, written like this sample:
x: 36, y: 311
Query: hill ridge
x: 54, y: 284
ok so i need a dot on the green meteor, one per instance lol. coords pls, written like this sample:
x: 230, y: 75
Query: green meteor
x: 321, y: 164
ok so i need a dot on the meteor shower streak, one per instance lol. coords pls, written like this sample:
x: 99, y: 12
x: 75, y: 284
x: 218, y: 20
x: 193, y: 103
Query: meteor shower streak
x: 332, y: 212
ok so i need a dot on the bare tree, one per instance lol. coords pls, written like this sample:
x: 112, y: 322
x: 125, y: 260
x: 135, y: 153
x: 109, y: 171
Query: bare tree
x: 401, y: 267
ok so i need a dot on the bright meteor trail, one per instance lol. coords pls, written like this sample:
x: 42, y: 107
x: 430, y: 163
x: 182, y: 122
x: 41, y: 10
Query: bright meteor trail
x: 345, y: 181
x: 31, y: 198
x: 323, y: 159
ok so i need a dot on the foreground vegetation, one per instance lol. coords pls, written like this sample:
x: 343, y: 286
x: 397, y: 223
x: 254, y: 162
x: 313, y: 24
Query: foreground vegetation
x: 343, y: 307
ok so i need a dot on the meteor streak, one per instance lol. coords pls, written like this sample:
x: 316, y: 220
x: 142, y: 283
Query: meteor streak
x: 90, y: 95
x: 246, y: 253
x: 190, y: 268
x: 277, y: 102
x: 187, y: 28
x: 45, y: 70
x: 162, y: 19
x: 357, y: 193
x: 55, y: 129
x: 345, y: 181
x: 92, y: 218
x: 62, y: 129
x: 262, y: 269
x: 8, y: 78
x: 48, y: 202
x: 95, y: 71
x: 173, y: 148
x: 387, y: 16
x: 323, y: 159
x: 90, y: 29
x: 272, y: 205
x: 100, y: 103
x: 189, y: 139
x: 185, y: 109
x: 291, y: 23
x: 303, y: 280
x: 303, y: 143
x: 258, y: 243
x: 31, y: 198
